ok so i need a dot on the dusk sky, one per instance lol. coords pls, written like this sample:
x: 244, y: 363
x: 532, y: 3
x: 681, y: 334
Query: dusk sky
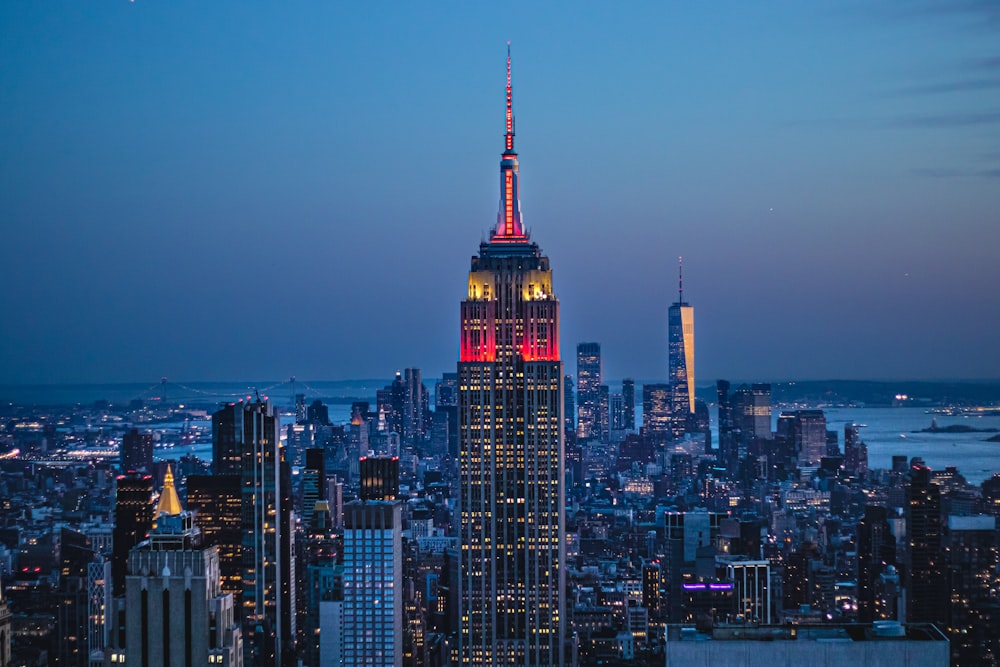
x: 243, y: 190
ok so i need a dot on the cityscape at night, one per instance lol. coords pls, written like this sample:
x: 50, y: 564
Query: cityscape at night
x: 724, y: 390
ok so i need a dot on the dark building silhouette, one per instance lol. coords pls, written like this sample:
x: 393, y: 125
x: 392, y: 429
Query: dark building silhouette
x: 446, y: 404
x: 589, y: 376
x: 569, y: 408
x: 628, y: 404
x: 133, y: 520
x: 876, y: 548
x: 855, y: 451
x: 75, y: 555
x: 317, y: 413
x: 217, y: 503
x: 751, y: 411
x: 137, y: 452
x: 926, y: 596
x: 602, y: 422
x: 973, y: 624
x: 379, y: 477
x: 389, y: 403
x: 246, y: 434
x: 657, y: 412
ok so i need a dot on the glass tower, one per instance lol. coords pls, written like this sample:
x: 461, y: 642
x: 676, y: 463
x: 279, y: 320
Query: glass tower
x: 512, y: 581
x: 680, y: 322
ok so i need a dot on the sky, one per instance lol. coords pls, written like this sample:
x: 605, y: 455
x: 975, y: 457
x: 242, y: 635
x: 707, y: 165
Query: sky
x: 232, y: 190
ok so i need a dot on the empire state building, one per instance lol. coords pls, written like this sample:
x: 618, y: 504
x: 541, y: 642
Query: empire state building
x: 512, y: 582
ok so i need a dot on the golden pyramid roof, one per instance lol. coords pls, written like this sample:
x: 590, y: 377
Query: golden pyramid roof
x: 169, y: 502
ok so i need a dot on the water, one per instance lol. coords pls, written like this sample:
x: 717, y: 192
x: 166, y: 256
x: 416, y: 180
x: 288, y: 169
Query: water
x: 975, y: 458
x: 884, y: 434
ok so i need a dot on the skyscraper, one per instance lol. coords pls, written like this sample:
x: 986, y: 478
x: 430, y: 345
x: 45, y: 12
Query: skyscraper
x: 810, y: 436
x: 137, y: 451
x: 415, y: 407
x: 855, y: 451
x: 973, y: 554
x: 246, y: 438
x: 512, y: 581
x: 588, y: 383
x: 656, y: 412
x: 372, y: 618
x: 926, y: 596
x: 133, y: 519
x: 178, y: 614
x: 680, y: 323
x: 876, y: 551
x: 628, y: 400
x: 569, y: 409
x: 751, y: 411
x: 217, y: 502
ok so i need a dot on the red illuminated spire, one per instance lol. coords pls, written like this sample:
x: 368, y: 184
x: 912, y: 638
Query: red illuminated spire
x: 510, y: 108
x: 509, y: 227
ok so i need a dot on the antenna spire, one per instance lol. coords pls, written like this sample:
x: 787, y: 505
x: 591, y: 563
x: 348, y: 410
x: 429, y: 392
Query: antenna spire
x: 680, y: 280
x: 510, y: 107
x: 509, y: 227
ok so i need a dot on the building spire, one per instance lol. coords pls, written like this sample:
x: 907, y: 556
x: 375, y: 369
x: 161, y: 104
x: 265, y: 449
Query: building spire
x: 509, y: 144
x: 680, y: 280
x: 509, y: 227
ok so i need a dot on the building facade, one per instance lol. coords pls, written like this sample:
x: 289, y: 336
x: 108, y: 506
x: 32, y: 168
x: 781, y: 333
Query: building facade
x: 372, y: 612
x: 247, y: 443
x: 588, y: 382
x: 680, y: 324
x: 178, y: 615
x: 512, y: 582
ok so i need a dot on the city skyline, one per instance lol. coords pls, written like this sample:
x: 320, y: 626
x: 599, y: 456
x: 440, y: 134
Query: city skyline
x: 165, y: 168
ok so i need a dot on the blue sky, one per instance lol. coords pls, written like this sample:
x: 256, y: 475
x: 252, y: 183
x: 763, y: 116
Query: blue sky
x: 242, y: 190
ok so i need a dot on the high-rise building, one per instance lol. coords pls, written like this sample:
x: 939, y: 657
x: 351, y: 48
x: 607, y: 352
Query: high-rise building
x: 217, y: 503
x: 628, y: 404
x: 602, y: 428
x: 973, y: 557
x: 389, y: 403
x: 446, y: 404
x: 657, y: 411
x: 133, y: 519
x: 810, y: 436
x: 416, y: 407
x: 379, y: 477
x: 371, y: 631
x: 512, y: 583
x: 588, y: 381
x: 855, y: 451
x: 926, y: 596
x: 313, y: 484
x: 246, y: 433
x: 680, y: 323
x: 752, y: 589
x: 569, y: 409
x: 725, y: 419
x: 177, y: 613
x: 751, y: 411
x: 616, y: 410
x: 75, y: 555
x: 876, y: 552
x: 99, y: 605
x: 137, y: 451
